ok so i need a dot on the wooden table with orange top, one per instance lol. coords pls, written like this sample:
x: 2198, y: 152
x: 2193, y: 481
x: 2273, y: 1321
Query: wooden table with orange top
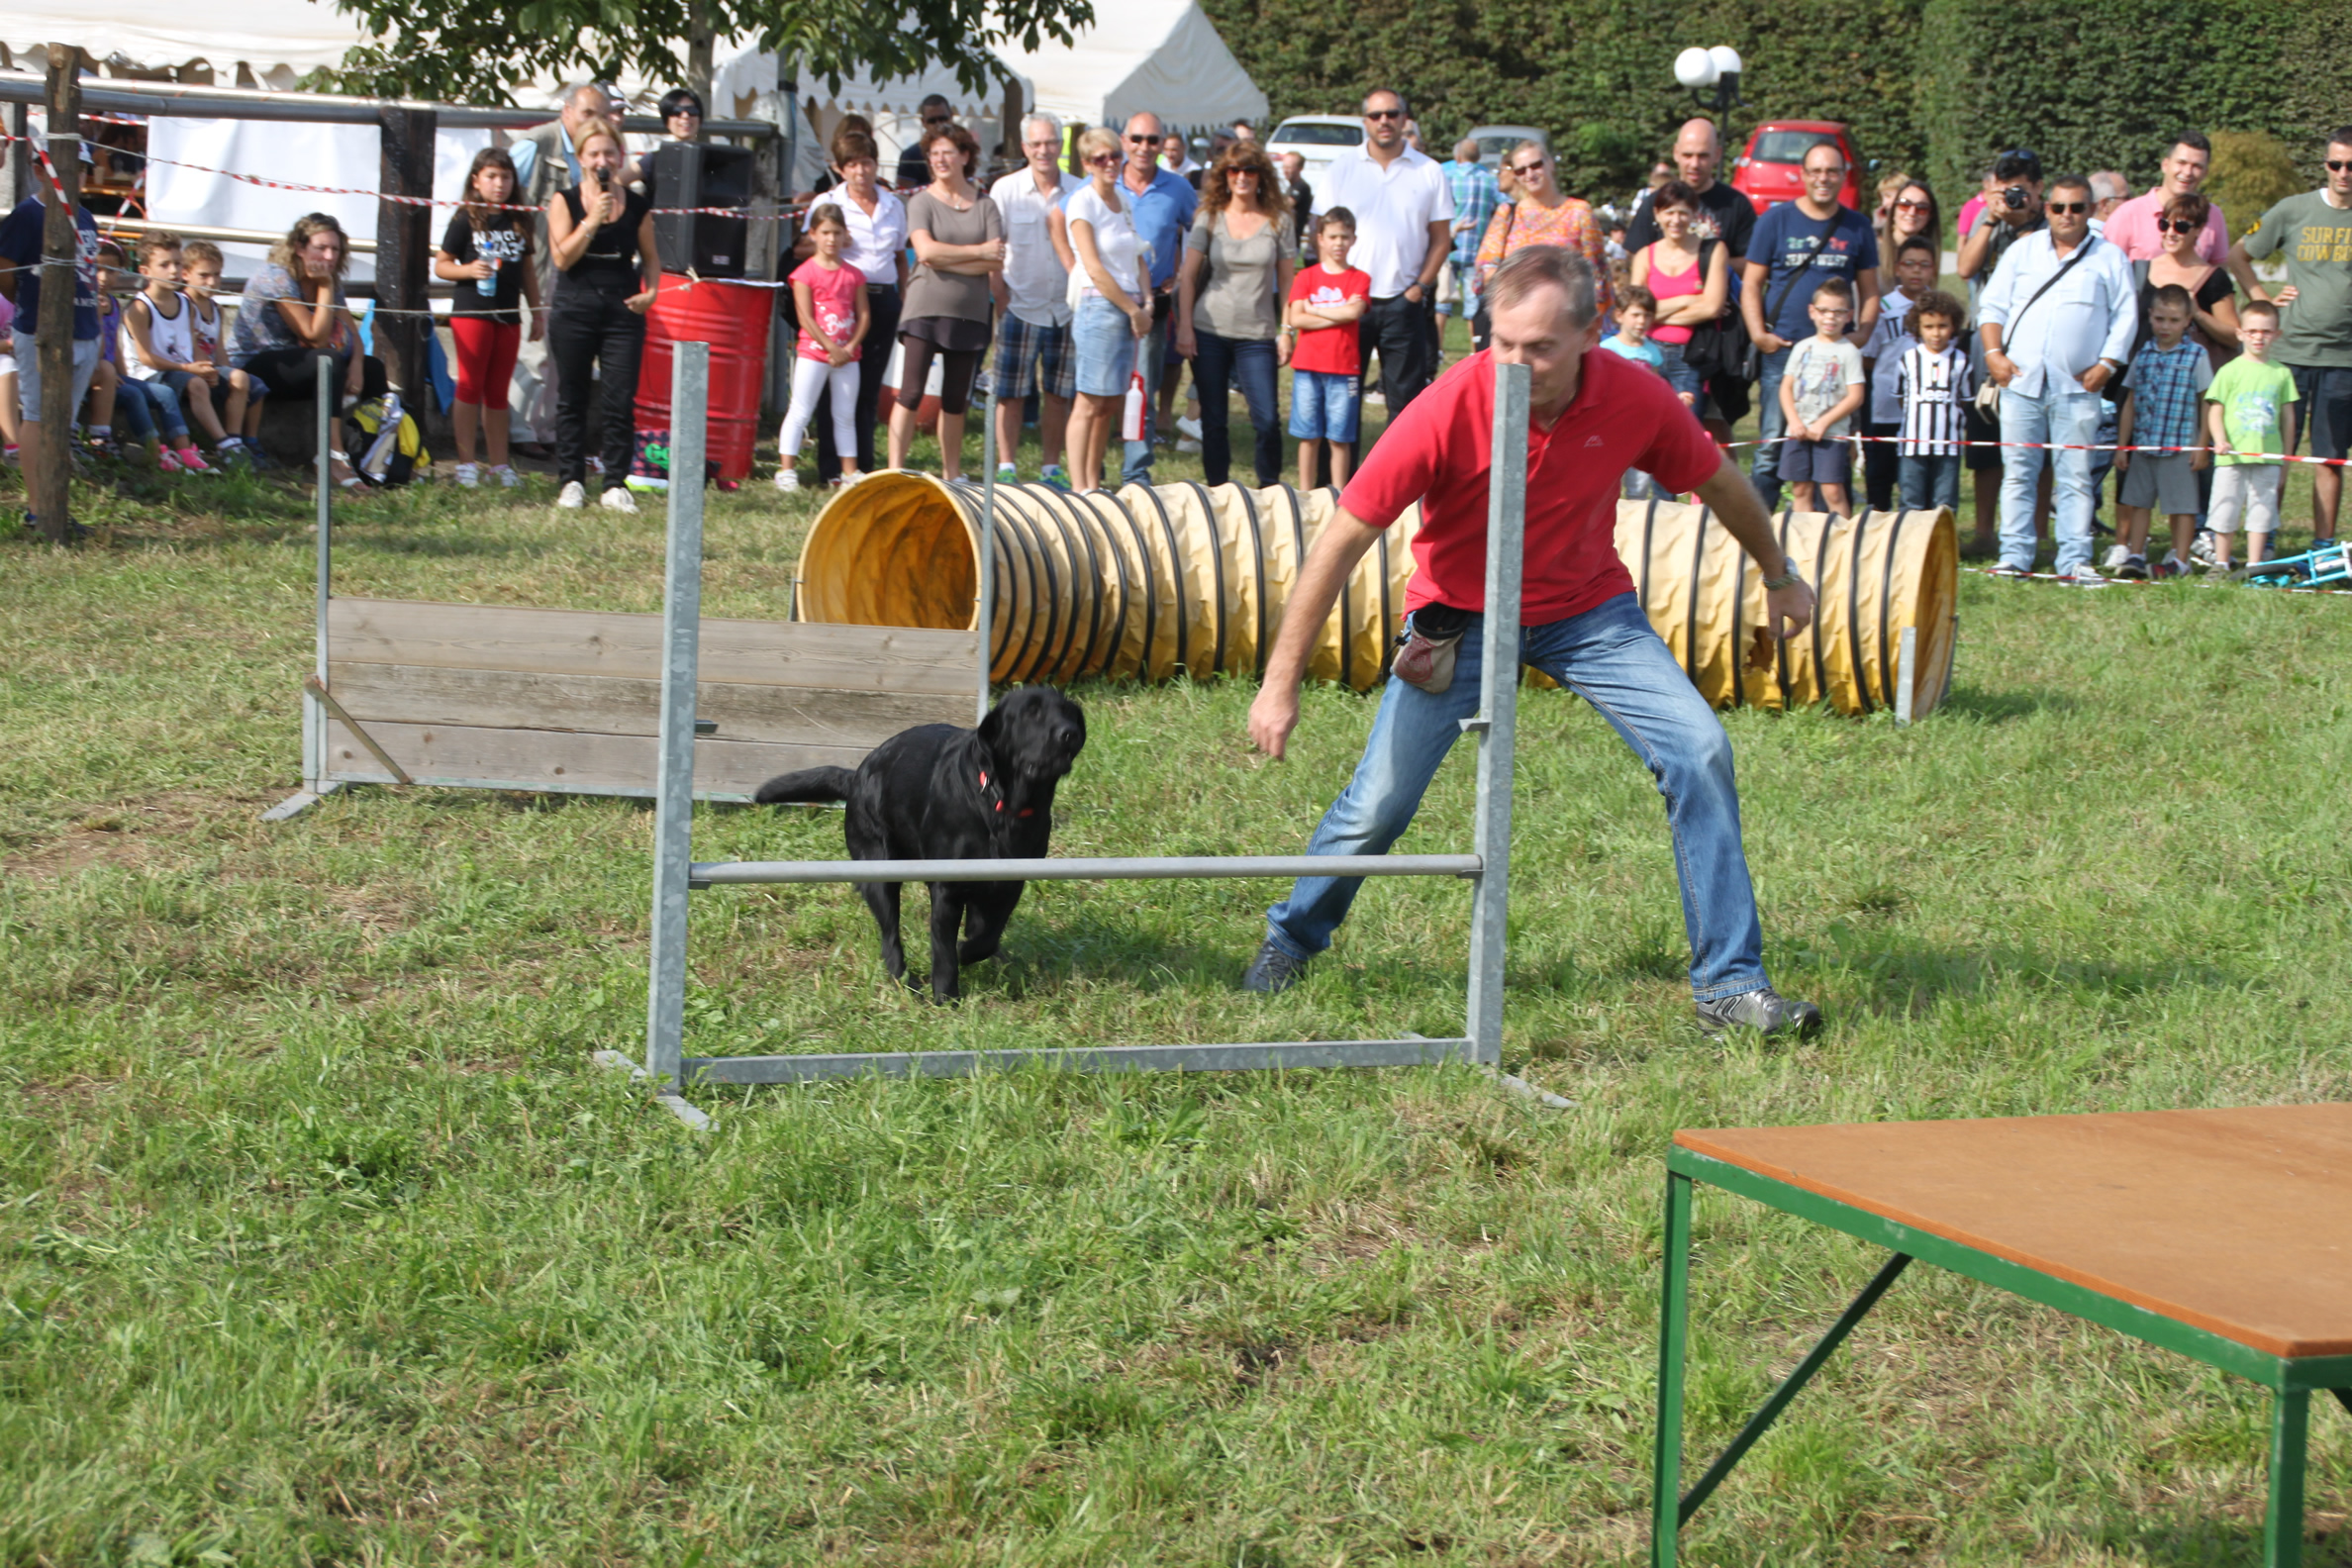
x: 2224, y: 1235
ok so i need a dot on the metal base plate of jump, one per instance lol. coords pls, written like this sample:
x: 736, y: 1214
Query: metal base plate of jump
x: 676, y: 876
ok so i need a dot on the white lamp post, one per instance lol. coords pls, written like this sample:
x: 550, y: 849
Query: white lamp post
x: 1718, y: 68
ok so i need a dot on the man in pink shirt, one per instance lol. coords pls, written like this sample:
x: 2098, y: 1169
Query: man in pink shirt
x: 1591, y: 417
x: 2131, y: 228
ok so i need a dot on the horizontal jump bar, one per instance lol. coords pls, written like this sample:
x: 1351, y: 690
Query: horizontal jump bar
x: 1105, y: 1058
x: 706, y: 873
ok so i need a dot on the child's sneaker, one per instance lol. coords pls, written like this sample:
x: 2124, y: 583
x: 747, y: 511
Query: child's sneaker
x: 1055, y: 475
x: 506, y: 476
x: 573, y: 498
x: 2117, y: 556
x: 2135, y: 568
x: 618, y: 499
x: 2200, y: 549
x: 192, y: 462
x: 469, y: 476
x: 168, y: 460
x: 1007, y: 473
x: 788, y: 480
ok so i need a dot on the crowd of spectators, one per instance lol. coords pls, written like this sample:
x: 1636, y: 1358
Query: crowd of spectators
x: 1083, y: 280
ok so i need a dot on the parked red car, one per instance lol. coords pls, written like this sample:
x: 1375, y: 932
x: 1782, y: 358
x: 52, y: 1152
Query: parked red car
x: 1771, y: 171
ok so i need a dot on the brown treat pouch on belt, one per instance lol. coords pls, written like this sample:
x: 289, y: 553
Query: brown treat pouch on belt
x: 1428, y: 646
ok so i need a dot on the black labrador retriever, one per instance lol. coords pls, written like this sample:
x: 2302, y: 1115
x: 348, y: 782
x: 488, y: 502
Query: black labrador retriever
x: 938, y: 792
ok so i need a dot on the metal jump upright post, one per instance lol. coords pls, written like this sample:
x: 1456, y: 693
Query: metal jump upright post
x: 676, y: 876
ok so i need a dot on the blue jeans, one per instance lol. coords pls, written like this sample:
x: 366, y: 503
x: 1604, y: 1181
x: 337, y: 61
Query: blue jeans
x: 1771, y: 425
x: 1927, y: 482
x: 2066, y: 416
x: 149, y: 404
x: 1151, y: 353
x: 1248, y: 361
x: 1610, y: 656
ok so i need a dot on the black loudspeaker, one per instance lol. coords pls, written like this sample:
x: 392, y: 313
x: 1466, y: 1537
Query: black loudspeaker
x: 700, y: 174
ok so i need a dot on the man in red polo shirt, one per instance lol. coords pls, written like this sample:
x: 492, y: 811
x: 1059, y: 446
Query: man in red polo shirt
x: 1592, y: 417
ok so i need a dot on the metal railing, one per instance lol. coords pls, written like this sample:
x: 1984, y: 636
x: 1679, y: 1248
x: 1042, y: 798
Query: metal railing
x: 676, y: 875
x: 105, y: 95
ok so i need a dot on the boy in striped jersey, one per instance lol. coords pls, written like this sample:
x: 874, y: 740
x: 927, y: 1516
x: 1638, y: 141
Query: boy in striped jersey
x: 1935, y: 386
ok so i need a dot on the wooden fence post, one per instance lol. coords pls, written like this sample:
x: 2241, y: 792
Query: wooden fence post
x: 53, y: 465
x: 404, y: 253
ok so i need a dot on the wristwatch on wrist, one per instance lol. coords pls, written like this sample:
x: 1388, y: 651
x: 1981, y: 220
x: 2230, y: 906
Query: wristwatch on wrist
x: 1790, y: 577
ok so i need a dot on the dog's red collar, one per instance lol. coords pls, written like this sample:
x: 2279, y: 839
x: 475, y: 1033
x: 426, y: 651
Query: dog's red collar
x: 1026, y: 811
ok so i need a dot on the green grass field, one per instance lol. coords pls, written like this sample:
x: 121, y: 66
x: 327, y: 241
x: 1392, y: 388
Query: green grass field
x: 322, y: 1242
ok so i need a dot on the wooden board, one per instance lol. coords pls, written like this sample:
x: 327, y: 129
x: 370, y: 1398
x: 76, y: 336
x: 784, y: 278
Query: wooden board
x: 563, y: 761
x: 2236, y: 1221
x: 432, y: 694
x: 901, y: 659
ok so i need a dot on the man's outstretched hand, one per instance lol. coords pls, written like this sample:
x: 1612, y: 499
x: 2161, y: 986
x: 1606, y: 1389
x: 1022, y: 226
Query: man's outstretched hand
x: 1273, y: 717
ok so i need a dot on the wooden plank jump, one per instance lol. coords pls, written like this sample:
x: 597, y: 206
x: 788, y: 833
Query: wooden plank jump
x: 569, y: 701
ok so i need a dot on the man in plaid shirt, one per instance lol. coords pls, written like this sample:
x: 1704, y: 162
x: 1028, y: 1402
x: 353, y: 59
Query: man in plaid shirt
x: 1475, y: 195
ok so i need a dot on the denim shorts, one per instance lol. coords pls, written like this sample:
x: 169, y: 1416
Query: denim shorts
x: 1106, y: 344
x: 1324, y: 405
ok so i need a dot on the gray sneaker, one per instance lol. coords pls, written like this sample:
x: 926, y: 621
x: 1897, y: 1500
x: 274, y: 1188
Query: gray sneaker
x: 1272, y: 970
x: 1764, y: 1010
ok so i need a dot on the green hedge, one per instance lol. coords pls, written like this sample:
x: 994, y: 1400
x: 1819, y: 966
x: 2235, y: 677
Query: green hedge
x: 1940, y: 87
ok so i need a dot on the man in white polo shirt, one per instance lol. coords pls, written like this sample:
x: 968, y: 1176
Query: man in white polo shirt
x: 1033, y: 352
x: 1404, y: 213
x: 1591, y: 416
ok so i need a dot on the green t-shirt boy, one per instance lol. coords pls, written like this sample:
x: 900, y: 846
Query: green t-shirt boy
x: 2253, y: 394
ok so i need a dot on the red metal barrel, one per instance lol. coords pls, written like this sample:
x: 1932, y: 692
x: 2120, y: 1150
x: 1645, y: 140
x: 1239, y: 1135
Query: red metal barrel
x: 732, y: 317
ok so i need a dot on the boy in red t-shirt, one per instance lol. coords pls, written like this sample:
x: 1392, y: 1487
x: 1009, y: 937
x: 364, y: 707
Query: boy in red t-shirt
x: 1327, y: 301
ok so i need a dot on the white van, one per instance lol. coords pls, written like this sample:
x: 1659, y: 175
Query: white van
x: 1316, y: 138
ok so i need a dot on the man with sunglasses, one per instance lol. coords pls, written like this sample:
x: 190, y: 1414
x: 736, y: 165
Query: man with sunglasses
x: 1405, y: 216
x: 2315, y: 231
x: 2057, y: 325
x: 2132, y: 225
x: 1160, y: 203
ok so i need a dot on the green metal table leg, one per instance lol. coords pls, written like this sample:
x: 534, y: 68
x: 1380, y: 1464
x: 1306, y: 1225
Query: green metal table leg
x: 2343, y: 1397
x: 1674, y: 1307
x: 2283, y: 1528
x: 1762, y: 1421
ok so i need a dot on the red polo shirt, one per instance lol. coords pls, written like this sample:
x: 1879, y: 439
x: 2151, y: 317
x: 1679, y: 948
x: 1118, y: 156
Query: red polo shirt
x: 1623, y: 415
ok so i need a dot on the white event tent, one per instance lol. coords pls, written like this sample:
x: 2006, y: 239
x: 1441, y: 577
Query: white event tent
x: 1160, y: 55
x: 1163, y: 55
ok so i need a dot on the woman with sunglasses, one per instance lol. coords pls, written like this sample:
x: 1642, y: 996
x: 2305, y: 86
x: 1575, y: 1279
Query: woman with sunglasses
x: 1228, y: 323
x: 1539, y: 213
x: 1913, y: 210
x: 2177, y: 229
x: 1114, y: 311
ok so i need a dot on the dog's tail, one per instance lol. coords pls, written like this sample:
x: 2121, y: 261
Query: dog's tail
x: 809, y: 785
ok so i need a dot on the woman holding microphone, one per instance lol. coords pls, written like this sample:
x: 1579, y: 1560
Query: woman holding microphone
x: 607, y: 270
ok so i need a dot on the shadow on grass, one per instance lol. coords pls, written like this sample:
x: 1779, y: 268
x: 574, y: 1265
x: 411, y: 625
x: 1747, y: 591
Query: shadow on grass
x: 2001, y: 707
x: 1908, y: 978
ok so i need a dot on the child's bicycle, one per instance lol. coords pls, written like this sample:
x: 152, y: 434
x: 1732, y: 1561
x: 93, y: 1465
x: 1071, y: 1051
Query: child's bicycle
x: 2325, y: 566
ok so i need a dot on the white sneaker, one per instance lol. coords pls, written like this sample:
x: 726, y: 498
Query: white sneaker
x: 469, y: 476
x: 2116, y: 555
x: 1187, y: 443
x: 788, y: 478
x: 2083, y: 576
x: 506, y: 476
x: 574, y: 497
x: 618, y: 499
x: 1188, y: 426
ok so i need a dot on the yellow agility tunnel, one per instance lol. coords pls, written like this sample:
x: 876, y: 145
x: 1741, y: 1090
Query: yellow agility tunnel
x: 1148, y: 580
